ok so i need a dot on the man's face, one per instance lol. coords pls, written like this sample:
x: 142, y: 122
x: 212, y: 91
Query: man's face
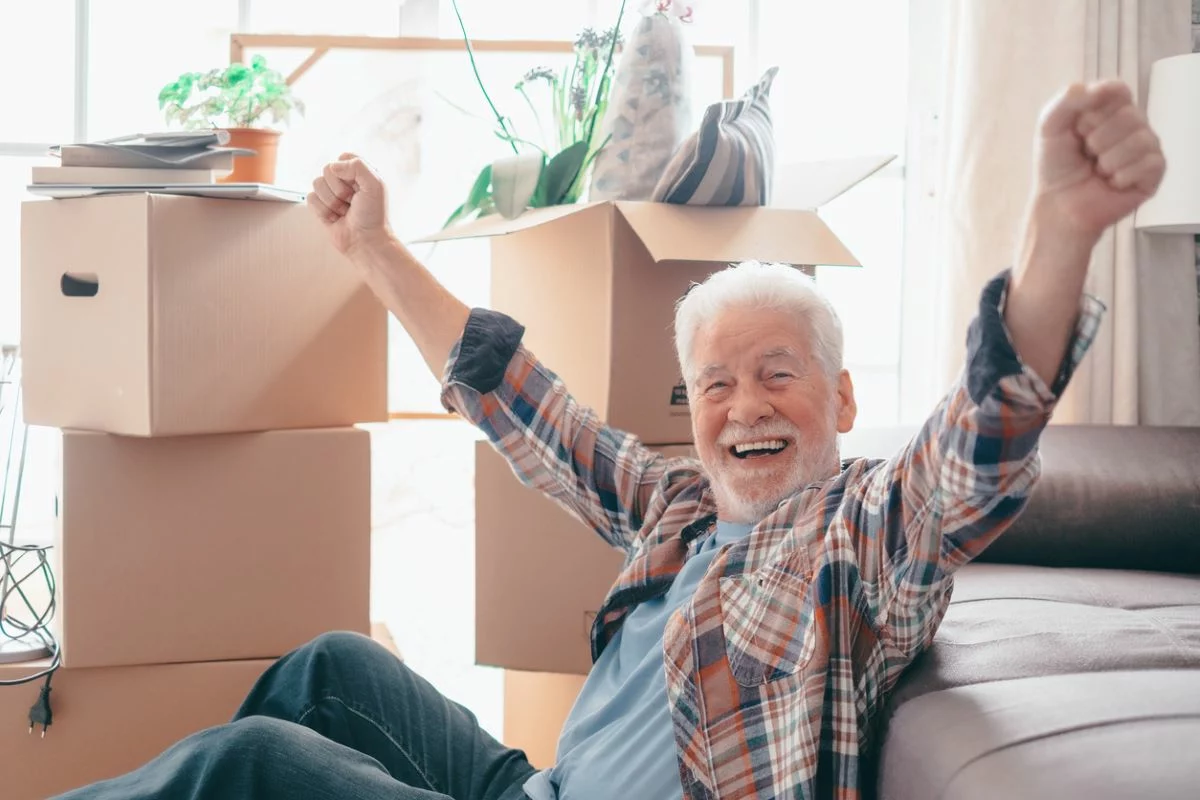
x: 765, y: 413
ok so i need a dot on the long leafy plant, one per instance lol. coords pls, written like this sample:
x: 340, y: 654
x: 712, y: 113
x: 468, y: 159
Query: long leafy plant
x: 555, y: 171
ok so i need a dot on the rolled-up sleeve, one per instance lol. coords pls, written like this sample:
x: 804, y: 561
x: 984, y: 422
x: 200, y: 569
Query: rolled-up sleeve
x: 554, y: 444
x: 963, y: 478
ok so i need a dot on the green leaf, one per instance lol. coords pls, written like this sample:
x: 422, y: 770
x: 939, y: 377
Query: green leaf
x: 592, y: 155
x: 560, y: 173
x: 454, y: 215
x: 480, y: 189
x: 477, y: 198
x: 514, y: 180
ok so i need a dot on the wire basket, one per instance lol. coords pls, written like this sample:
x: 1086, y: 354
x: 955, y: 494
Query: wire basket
x: 27, y: 585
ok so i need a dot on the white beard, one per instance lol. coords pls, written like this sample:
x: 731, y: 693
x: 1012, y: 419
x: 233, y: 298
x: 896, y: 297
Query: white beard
x: 815, y: 460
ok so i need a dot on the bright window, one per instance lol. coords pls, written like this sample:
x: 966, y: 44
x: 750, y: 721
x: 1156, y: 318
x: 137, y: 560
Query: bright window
x: 841, y: 91
x: 37, y: 59
x: 129, y: 64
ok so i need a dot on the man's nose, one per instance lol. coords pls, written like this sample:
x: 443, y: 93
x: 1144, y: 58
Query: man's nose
x: 750, y: 405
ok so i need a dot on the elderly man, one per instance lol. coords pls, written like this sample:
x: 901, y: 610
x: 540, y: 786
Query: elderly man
x: 772, y: 595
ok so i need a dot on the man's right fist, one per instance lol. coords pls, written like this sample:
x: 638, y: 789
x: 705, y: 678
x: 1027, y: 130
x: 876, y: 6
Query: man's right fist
x: 351, y: 200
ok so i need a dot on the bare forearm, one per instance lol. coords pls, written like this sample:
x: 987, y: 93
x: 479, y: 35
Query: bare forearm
x: 1047, y: 283
x: 431, y: 315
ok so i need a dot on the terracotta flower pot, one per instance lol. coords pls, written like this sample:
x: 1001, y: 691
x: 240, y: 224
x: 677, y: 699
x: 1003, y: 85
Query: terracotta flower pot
x: 258, y: 168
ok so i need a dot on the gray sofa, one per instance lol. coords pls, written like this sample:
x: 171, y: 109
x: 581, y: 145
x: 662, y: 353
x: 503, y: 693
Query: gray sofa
x: 1068, y: 664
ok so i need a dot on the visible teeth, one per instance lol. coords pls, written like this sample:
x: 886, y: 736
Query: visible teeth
x: 773, y: 444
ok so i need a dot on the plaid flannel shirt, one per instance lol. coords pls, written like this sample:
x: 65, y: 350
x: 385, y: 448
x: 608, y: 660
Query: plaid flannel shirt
x: 778, y: 665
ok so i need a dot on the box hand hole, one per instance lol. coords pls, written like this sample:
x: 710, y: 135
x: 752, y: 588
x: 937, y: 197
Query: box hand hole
x: 80, y: 284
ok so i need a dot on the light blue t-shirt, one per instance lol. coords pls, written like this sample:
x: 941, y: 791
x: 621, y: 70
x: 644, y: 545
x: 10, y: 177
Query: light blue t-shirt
x: 618, y: 740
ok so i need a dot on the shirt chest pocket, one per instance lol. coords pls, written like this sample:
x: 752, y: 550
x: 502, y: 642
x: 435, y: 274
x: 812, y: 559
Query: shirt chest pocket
x: 767, y: 621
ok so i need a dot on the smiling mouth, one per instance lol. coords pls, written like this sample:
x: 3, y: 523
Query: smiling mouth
x: 752, y: 450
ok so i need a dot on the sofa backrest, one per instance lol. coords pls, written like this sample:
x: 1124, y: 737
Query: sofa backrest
x: 1123, y: 497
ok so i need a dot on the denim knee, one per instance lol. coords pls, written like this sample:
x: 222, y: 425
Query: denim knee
x: 344, y: 649
x: 261, y: 736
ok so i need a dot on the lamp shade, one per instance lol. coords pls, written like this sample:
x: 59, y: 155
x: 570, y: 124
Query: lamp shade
x: 1173, y: 109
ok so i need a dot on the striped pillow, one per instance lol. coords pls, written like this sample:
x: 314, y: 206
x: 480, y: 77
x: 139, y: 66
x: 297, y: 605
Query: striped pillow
x: 730, y: 160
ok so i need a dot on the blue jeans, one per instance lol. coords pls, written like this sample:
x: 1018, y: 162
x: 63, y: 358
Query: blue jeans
x: 340, y: 718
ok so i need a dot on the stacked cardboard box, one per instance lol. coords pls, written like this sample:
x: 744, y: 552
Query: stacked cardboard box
x: 596, y: 287
x: 208, y: 363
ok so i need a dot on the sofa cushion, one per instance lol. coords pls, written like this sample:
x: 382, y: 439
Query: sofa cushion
x: 1007, y: 621
x: 730, y: 160
x: 1042, y: 681
x: 1101, y: 736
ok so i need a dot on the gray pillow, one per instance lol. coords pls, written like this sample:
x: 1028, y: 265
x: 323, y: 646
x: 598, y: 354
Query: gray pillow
x: 730, y: 160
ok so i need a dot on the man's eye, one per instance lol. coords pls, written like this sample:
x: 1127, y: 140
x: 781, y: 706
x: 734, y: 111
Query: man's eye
x: 712, y: 387
x: 781, y: 375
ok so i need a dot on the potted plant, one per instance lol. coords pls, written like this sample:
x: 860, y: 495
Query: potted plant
x: 244, y: 100
x: 555, y: 171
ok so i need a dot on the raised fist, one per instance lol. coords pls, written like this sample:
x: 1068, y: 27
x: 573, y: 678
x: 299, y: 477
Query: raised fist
x: 351, y: 199
x: 1097, y: 159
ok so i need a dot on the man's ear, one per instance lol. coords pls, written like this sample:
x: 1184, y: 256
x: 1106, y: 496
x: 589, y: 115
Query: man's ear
x: 847, y: 407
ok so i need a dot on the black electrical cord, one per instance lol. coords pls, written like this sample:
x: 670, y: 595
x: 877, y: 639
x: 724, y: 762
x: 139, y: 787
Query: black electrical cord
x: 41, y: 712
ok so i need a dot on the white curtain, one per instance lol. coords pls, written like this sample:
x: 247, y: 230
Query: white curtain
x: 1004, y: 61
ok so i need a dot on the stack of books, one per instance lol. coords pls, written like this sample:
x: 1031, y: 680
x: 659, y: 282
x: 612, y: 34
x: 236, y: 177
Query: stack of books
x: 170, y: 163
x: 178, y: 158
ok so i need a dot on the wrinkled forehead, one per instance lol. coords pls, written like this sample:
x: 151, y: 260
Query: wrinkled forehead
x: 747, y: 337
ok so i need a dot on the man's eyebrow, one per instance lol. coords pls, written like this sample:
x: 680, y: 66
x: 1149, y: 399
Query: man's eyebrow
x: 710, y: 369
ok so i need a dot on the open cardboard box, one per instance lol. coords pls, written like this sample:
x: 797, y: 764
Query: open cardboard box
x: 596, y: 284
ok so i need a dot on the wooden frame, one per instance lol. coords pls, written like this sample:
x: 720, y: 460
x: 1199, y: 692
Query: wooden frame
x: 321, y: 44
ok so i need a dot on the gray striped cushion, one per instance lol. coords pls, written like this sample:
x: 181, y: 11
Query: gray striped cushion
x: 730, y: 160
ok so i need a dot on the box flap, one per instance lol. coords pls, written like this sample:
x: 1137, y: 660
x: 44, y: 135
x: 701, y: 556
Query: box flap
x: 812, y: 184
x: 496, y: 225
x: 729, y: 234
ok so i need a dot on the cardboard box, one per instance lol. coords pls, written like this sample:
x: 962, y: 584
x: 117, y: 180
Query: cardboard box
x: 540, y: 574
x: 156, y: 315
x: 596, y: 284
x: 205, y: 548
x: 536, y: 704
x: 112, y: 720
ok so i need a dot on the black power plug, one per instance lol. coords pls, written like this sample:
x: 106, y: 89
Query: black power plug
x: 40, y: 713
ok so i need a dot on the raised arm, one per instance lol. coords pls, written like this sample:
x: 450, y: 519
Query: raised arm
x: 351, y: 199
x: 967, y: 475
x: 1097, y: 160
x: 602, y: 475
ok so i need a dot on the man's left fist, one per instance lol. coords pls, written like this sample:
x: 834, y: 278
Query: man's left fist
x: 1097, y: 158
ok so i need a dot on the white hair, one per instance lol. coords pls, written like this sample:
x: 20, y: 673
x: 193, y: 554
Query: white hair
x: 754, y: 284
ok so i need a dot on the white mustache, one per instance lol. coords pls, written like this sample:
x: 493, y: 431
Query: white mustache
x: 734, y: 432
